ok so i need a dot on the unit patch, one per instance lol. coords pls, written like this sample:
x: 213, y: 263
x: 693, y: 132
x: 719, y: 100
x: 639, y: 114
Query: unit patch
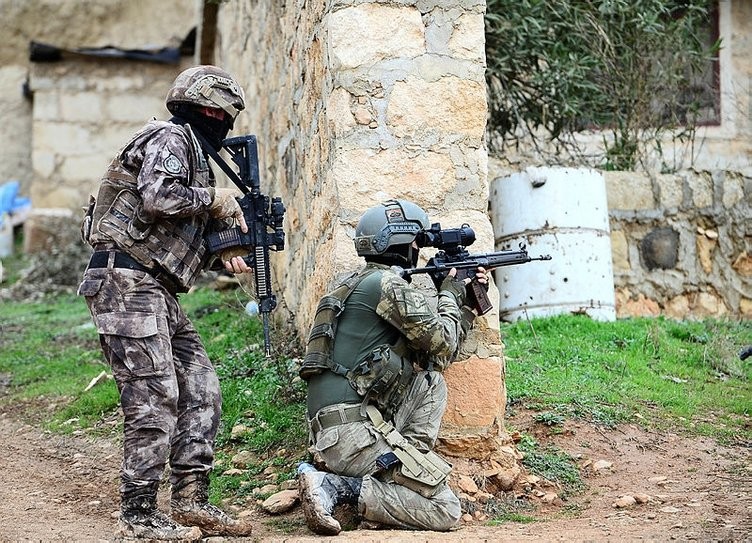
x: 172, y: 164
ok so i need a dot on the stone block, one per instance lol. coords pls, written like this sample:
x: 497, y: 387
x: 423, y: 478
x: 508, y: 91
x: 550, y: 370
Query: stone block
x: 392, y: 173
x: 678, y: 307
x: 60, y: 138
x: 733, y: 190
x: 745, y: 308
x: 476, y: 393
x: 45, y: 229
x: 89, y: 167
x: 368, y: 33
x: 705, y: 248
x: 81, y: 107
x: 467, y: 39
x: 620, y: 251
x: 449, y: 106
x: 338, y: 112
x: 46, y: 106
x: 702, y: 190
x: 628, y: 191
x: 134, y: 107
x: 671, y: 188
x: 44, y: 163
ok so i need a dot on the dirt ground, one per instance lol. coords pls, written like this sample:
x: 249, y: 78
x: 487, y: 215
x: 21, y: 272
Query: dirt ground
x: 63, y: 488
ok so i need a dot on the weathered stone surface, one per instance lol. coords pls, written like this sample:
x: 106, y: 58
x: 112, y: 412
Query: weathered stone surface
x: 476, y: 397
x: 671, y: 189
x: 678, y: 307
x: 628, y: 190
x: 640, y: 306
x: 743, y: 264
x: 368, y: 33
x: 702, y: 191
x: 45, y: 229
x: 448, y: 106
x: 705, y: 248
x: 281, y: 502
x: 620, y: 251
x: 467, y: 39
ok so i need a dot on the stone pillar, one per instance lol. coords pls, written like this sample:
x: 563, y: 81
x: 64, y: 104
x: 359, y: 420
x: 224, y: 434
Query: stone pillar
x: 358, y: 102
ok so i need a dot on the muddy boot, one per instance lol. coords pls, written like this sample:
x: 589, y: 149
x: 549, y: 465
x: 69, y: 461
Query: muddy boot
x: 320, y: 493
x: 140, y: 519
x: 190, y: 506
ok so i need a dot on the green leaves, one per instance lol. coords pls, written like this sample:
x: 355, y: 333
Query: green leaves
x: 557, y: 67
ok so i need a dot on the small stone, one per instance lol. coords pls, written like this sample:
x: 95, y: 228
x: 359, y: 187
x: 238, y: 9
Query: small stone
x: 670, y: 509
x: 624, y: 501
x: 467, y: 517
x: 466, y: 484
x: 602, y: 464
x: 281, y: 502
x: 641, y: 498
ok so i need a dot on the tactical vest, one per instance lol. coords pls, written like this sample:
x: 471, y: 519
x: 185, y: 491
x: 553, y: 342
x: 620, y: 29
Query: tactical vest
x: 176, y: 245
x: 381, y: 377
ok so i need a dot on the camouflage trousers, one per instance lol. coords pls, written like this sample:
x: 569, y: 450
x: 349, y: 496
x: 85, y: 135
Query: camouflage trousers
x: 351, y: 449
x: 169, y: 391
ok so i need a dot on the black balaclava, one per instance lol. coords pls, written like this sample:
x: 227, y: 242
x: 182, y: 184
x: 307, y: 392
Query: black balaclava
x: 214, y: 130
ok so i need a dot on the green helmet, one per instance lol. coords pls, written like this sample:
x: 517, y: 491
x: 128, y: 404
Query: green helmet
x: 206, y: 86
x: 389, y: 224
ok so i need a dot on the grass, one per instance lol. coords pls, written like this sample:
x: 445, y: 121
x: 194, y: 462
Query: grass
x: 51, y: 352
x: 654, y: 371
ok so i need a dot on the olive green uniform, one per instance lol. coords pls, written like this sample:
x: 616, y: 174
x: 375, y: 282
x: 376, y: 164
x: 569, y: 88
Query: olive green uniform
x: 384, y: 308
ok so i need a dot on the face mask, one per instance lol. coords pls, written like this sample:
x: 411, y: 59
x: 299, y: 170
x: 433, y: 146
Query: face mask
x: 214, y: 130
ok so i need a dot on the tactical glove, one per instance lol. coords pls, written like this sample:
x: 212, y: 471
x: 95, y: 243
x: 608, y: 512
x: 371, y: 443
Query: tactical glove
x: 225, y: 205
x: 456, y: 287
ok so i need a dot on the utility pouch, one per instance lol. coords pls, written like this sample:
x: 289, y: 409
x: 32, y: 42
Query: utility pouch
x: 422, y: 472
x: 424, y: 475
x: 382, y: 376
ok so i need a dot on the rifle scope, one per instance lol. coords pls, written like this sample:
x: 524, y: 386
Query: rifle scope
x: 448, y: 239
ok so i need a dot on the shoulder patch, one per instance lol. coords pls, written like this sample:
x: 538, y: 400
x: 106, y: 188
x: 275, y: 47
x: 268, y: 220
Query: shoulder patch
x: 172, y: 164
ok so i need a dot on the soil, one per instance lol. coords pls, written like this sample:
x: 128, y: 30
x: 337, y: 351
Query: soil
x: 64, y: 488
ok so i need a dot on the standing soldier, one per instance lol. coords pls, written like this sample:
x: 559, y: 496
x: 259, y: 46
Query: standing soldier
x: 376, y: 394
x: 147, y: 225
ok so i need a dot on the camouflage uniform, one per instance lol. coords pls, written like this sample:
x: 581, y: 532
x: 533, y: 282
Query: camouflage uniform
x: 169, y: 391
x: 384, y: 308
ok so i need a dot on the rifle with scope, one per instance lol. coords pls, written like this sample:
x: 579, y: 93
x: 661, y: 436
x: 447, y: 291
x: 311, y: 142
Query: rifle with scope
x: 452, y: 243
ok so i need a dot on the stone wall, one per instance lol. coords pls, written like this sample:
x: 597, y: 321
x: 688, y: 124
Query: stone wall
x: 95, y: 23
x: 682, y: 244
x: 84, y: 111
x: 356, y: 102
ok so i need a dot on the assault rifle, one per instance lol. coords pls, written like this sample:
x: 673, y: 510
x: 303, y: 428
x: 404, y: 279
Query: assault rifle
x: 453, y: 254
x: 264, y: 217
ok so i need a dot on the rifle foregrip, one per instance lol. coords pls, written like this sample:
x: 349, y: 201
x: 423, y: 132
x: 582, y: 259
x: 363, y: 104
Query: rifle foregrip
x: 478, y: 298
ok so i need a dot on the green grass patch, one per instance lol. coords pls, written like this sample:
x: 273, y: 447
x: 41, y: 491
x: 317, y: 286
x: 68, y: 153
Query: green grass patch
x: 656, y: 371
x: 552, y: 464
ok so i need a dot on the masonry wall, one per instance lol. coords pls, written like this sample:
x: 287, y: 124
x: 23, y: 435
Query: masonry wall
x: 95, y: 23
x: 359, y: 101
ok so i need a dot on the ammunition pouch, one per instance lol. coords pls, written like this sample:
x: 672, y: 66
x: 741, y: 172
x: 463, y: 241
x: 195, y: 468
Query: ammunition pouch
x: 382, y: 377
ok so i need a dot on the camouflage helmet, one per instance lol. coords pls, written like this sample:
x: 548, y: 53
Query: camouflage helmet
x: 206, y: 86
x: 394, y: 222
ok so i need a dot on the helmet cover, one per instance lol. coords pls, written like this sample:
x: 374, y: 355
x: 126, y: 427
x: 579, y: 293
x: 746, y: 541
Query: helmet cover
x: 391, y: 223
x: 206, y: 86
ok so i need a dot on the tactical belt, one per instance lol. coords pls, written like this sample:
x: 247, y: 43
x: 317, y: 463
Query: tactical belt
x: 123, y: 260
x: 341, y: 414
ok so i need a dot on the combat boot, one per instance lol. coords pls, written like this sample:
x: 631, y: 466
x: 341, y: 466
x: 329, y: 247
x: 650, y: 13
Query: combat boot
x: 140, y: 519
x: 190, y: 506
x: 320, y: 492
